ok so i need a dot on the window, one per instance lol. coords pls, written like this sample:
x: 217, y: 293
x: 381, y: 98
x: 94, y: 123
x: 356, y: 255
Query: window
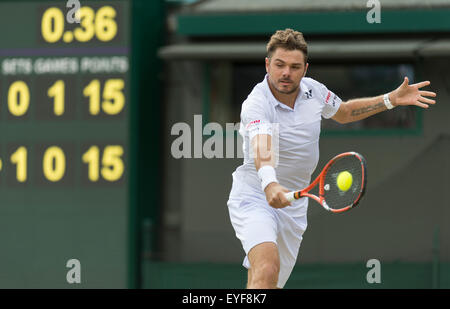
x: 231, y: 83
x: 356, y: 81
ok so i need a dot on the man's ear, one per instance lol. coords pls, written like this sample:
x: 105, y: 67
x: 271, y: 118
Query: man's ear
x: 306, y: 69
x: 267, y: 60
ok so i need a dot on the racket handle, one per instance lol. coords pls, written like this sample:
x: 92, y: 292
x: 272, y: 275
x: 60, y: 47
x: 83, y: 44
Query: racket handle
x: 290, y: 196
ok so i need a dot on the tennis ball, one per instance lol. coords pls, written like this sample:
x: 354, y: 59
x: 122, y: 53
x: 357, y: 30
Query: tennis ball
x: 344, y: 181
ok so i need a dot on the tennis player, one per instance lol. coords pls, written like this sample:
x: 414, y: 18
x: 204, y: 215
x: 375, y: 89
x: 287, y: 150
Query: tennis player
x: 280, y: 126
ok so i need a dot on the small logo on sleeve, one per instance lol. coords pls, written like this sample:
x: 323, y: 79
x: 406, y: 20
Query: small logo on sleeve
x: 253, y: 123
x: 327, y: 100
x: 334, y: 100
x: 328, y: 97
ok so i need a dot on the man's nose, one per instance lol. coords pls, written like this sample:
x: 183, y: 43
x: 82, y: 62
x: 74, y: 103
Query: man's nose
x: 286, y: 71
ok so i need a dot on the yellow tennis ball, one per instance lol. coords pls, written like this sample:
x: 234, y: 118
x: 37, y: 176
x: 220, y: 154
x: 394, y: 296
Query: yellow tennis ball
x: 344, y: 181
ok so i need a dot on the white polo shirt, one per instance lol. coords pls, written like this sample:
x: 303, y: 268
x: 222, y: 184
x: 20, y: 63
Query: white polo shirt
x: 296, y: 132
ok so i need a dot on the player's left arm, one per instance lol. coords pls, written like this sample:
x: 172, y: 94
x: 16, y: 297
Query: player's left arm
x: 405, y: 94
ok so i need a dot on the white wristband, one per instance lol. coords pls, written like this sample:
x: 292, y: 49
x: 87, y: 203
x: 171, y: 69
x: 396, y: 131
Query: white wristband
x: 267, y: 175
x: 387, y: 102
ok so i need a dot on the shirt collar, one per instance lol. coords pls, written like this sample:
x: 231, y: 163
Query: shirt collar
x: 275, y: 102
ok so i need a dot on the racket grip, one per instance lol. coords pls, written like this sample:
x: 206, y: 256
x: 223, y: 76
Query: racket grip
x: 290, y: 196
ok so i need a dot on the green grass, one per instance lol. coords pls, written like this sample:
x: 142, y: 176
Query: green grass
x: 397, y: 275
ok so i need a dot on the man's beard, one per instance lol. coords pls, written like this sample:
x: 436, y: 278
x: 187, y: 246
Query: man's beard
x: 285, y: 92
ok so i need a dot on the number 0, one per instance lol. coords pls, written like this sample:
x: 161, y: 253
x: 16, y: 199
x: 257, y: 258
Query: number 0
x: 54, y: 164
x: 52, y: 25
x: 18, y: 98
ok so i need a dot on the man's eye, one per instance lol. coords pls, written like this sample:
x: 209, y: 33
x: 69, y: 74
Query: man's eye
x: 279, y: 65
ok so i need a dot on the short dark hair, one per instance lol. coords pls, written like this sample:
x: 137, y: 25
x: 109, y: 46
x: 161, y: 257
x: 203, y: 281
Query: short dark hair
x: 287, y: 39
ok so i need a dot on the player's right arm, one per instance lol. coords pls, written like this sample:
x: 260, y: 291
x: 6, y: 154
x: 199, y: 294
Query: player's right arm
x: 256, y: 119
x: 264, y: 163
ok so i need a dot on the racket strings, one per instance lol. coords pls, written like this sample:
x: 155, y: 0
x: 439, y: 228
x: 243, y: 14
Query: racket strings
x: 335, y: 197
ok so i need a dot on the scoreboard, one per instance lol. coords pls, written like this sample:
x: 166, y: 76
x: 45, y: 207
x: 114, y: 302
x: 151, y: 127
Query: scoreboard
x: 65, y: 107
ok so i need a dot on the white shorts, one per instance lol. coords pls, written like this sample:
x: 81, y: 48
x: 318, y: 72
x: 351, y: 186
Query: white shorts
x: 255, y: 222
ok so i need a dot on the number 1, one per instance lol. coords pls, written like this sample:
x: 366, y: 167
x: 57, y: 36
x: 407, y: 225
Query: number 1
x: 57, y: 91
x: 19, y: 157
x: 91, y: 157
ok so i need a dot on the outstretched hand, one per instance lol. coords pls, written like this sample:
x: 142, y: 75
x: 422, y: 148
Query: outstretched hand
x: 407, y: 94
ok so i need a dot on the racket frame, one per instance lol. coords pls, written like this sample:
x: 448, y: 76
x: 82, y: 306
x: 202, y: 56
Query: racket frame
x: 321, y: 180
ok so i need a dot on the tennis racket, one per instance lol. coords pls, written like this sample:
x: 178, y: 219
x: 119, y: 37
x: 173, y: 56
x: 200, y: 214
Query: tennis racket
x: 342, y: 183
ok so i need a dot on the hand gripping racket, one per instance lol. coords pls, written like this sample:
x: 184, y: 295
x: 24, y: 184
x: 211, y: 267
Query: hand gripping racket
x: 342, y: 183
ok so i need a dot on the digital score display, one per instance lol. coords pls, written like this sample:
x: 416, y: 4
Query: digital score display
x: 64, y: 144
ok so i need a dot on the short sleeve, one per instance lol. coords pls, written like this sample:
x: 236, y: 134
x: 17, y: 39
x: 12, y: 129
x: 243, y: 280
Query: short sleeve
x: 255, y: 118
x: 330, y: 102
